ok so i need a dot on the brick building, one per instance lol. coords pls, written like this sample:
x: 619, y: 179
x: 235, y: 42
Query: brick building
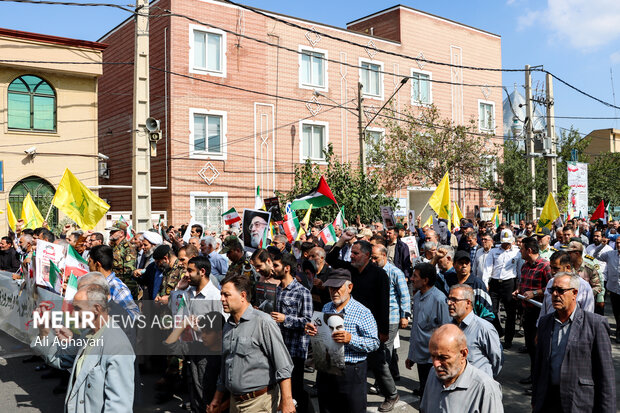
x: 237, y: 113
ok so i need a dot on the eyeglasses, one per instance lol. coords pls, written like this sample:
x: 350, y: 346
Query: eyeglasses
x: 455, y: 300
x: 558, y: 290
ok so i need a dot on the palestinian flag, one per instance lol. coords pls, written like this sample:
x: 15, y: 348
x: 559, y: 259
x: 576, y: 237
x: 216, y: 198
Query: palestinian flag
x: 328, y: 235
x: 319, y: 197
x: 339, y: 221
x: 291, y: 227
x: 55, y: 280
x: 75, y: 264
x: 70, y: 291
x: 231, y: 216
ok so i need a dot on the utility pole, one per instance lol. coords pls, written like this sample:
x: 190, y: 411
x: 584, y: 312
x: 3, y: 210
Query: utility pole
x: 141, y: 148
x: 360, y: 126
x: 529, y: 135
x: 552, y: 160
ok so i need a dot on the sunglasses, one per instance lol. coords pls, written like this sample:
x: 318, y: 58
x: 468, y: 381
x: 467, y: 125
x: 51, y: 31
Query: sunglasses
x: 558, y: 290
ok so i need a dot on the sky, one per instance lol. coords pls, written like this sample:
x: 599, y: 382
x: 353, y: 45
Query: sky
x: 577, y: 40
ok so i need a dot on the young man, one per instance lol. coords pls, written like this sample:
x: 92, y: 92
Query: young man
x: 293, y: 312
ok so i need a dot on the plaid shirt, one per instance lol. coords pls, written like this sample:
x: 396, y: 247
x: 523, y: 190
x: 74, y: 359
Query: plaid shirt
x: 359, y: 322
x: 534, y: 276
x: 400, y: 301
x: 121, y: 295
x: 295, y: 302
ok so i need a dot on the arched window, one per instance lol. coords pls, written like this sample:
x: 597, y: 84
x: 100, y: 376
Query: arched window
x: 32, y: 104
x: 42, y: 193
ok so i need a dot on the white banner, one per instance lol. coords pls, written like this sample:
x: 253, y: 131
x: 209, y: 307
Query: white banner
x: 578, y: 189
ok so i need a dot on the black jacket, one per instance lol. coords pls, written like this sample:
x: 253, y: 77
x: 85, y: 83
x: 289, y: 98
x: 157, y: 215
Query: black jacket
x: 9, y: 260
x: 402, y: 258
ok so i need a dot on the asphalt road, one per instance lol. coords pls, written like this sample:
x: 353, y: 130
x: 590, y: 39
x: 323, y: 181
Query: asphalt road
x: 22, y: 388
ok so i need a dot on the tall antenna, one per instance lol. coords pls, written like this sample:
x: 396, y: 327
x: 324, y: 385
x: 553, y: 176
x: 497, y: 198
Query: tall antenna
x: 613, y: 93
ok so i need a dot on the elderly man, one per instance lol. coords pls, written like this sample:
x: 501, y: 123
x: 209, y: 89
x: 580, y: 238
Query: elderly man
x: 443, y: 259
x: 219, y: 265
x: 502, y: 267
x: 454, y: 384
x: 477, y: 264
x: 574, y: 369
x: 485, y: 350
x: 347, y: 393
x: 588, y: 268
x: 102, y: 371
x: 257, y: 230
x: 255, y: 361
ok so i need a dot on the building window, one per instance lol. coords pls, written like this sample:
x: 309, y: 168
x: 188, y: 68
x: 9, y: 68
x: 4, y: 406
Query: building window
x: 373, y: 139
x: 313, y: 68
x: 207, y: 134
x: 42, y: 193
x: 489, y: 169
x: 421, y: 88
x: 207, y: 209
x: 32, y: 104
x: 313, y: 141
x: 371, y: 77
x: 486, y: 116
x: 207, y: 51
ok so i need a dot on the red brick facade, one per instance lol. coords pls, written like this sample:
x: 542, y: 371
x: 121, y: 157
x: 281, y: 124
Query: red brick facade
x: 263, y: 132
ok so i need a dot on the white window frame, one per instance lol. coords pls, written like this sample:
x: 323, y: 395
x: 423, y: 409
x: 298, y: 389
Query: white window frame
x: 480, y: 129
x: 490, y: 167
x: 194, y: 154
x: 381, y: 70
x: 430, y: 87
x: 301, y: 140
x: 372, y: 129
x: 221, y: 73
x: 199, y: 194
x: 323, y: 88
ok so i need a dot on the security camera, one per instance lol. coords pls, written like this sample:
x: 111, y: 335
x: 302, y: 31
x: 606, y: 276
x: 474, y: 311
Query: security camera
x: 32, y: 151
x: 102, y: 157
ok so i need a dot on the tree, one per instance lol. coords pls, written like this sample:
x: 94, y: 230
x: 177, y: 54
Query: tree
x: 359, y: 193
x: 603, y: 182
x: 420, y: 149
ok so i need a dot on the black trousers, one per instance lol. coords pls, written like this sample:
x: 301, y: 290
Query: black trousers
x: 530, y: 316
x: 346, y: 393
x: 378, y: 362
x: 423, y: 371
x: 501, y: 291
x: 297, y: 385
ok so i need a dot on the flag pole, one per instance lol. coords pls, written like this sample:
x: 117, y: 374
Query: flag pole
x: 48, y: 211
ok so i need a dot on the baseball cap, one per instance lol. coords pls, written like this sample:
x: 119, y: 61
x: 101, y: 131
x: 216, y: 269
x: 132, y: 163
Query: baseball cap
x: 231, y: 241
x: 541, y: 232
x: 118, y: 226
x: 506, y: 237
x: 337, y: 278
x: 364, y: 233
x: 462, y: 255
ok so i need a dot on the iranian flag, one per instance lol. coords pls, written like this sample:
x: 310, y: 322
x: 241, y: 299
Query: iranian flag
x: 70, y: 291
x: 319, y: 197
x: 75, y: 264
x: 55, y: 278
x: 291, y: 227
x: 231, y: 216
x: 328, y: 235
x: 264, y: 240
x: 339, y: 221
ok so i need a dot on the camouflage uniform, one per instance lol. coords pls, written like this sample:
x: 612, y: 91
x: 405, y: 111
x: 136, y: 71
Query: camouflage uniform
x: 171, y: 277
x: 124, y: 264
x: 589, y: 271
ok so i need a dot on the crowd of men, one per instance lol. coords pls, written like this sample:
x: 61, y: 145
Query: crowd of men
x: 554, y: 283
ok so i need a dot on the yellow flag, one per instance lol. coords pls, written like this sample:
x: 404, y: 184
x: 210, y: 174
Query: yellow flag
x: 495, y: 218
x: 78, y: 202
x: 549, y: 213
x: 10, y: 216
x: 429, y: 222
x: 306, y: 221
x: 440, y: 200
x: 457, y: 216
x: 30, y: 214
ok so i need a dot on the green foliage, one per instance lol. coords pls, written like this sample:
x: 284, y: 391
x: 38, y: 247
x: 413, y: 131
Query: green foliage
x: 359, y: 193
x: 603, y: 182
x: 420, y: 146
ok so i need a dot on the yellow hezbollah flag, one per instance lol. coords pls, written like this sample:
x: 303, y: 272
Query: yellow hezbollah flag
x: 440, y: 200
x: 549, y: 213
x: 30, y: 214
x: 10, y: 216
x: 495, y: 218
x: 457, y: 216
x: 306, y: 221
x: 429, y: 222
x: 78, y: 202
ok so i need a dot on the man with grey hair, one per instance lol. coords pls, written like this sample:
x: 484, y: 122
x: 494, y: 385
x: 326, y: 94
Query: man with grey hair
x: 485, y: 350
x: 454, y: 384
x: 219, y: 265
x: 588, y: 268
x: 430, y: 248
x: 477, y: 265
x: 443, y: 259
x: 574, y: 369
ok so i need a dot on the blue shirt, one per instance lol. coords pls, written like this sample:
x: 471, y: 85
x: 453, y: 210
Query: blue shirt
x: 219, y: 265
x: 429, y: 312
x: 121, y: 295
x: 485, y: 350
x: 400, y: 300
x: 359, y: 322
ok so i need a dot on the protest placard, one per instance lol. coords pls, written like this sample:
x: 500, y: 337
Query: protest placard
x: 46, y: 252
x: 387, y: 214
x: 327, y: 354
x: 255, y: 223
x: 266, y: 295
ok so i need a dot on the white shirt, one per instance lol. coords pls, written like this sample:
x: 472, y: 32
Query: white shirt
x: 611, y: 259
x: 502, y: 264
x: 590, y: 251
x: 585, y: 298
x: 209, y: 292
x: 478, y: 265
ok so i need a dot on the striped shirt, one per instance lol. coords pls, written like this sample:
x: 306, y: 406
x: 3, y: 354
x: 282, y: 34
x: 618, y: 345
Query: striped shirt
x: 400, y: 301
x: 359, y: 322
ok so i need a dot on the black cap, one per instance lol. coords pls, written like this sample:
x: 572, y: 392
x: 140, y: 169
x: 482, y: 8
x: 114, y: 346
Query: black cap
x: 543, y: 231
x: 337, y: 278
x: 462, y: 255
